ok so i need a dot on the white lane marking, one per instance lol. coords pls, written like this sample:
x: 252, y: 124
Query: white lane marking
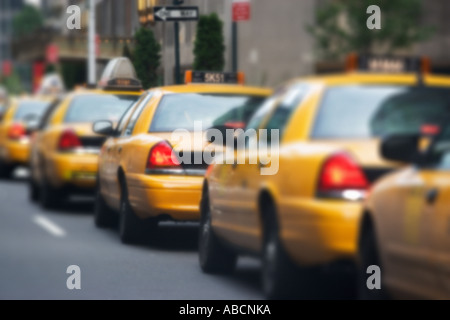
x: 49, y: 226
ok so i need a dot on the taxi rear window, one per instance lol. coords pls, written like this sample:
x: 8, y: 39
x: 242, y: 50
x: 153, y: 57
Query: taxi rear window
x: 91, y: 108
x: 181, y: 111
x: 30, y: 108
x: 353, y: 112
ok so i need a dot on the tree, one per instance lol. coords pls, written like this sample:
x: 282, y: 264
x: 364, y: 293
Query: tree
x: 400, y: 19
x: 27, y: 21
x: 73, y: 73
x: 209, y: 48
x: 147, y: 57
x: 126, y: 52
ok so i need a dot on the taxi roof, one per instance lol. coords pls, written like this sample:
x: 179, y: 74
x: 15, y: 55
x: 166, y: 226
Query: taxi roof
x: 377, y: 78
x: 216, y: 88
x: 84, y: 91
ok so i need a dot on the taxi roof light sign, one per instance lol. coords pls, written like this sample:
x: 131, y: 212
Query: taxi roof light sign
x: 213, y: 77
x: 388, y: 64
x: 120, y: 74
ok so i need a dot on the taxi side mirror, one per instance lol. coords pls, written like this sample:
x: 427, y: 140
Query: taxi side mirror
x: 401, y: 148
x: 104, y: 128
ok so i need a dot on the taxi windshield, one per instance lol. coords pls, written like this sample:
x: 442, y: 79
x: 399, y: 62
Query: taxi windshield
x: 91, y: 108
x: 354, y: 112
x: 181, y: 111
x: 30, y: 108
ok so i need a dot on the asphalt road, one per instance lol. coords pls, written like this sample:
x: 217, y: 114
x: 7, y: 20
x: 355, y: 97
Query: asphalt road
x: 37, y: 246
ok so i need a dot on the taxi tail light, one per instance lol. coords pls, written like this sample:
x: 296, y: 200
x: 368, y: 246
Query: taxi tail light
x: 342, y: 178
x: 17, y: 131
x: 69, y: 141
x: 161, y: 156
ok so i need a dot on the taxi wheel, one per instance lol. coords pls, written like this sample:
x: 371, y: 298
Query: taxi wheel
x: 5, y: 171
x: 33, y: 190
x: 49, y: 197
x: 104, y: 217
x: 368, y: 256
x: 132, y: 230
x: 279, y: 274
x: 214, y: 257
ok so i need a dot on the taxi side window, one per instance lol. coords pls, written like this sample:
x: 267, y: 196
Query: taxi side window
x: 439, y: 155
x: 135, y: 116
x: 124, y: 120
x: 48, y: 115
x: 286, y: 107
x: 266, y: 109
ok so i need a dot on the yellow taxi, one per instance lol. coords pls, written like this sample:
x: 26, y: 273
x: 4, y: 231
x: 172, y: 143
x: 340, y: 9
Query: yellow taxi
x: 152, y: 166
x: 15, y: 126
x: 64, y: 156
x: 405, y: 226
x: 298, y: 205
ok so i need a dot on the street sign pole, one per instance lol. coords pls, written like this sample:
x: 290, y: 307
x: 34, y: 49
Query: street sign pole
x: 234, y: 35
x: 91, y: 45
x: 177, y: 48
x: 177, y: 53
x: 176, y: 14
x: 240, y: 12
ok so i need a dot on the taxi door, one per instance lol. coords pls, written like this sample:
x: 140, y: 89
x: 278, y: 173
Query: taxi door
x: 259, y: 165
x: 230, y: 195
x: 107, y: 175
x: 406, y: 235
x: 438, y: 199
x: 116, y: 148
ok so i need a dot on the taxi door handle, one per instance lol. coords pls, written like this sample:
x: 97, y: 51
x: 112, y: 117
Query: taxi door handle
x: 432, y: 196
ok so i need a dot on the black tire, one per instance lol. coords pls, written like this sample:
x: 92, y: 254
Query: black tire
x: 49, y: 197
x: 132, y: 230
x: 280, y: 276
x: 214, y: 257
x: 368, y: 256
x: 33, y: 190
x: 5, y: 171
x: 104, y: 217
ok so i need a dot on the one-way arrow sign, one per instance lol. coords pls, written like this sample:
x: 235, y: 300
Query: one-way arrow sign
x: 175, y: 13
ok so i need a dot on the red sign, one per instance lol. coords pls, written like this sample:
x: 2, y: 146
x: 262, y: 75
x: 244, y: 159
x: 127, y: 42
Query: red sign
x: 241, y: 10
x: 52, y: 54
x: 38, y: 74
x: 7, y: 68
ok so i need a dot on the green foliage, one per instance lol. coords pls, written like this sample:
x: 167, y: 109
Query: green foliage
x: 12, y: 84
x: 147, y: 57
x: 27, y: 21
x: 73, y: 73
x: 400, y: 27
x: 209, y: 48
x: 126, y: 52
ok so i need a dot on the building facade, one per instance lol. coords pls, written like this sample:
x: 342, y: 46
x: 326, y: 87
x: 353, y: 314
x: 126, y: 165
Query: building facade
x: 8, y: 8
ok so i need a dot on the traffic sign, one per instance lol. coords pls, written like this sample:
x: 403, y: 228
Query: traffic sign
x: 241, y: 10
x: 175, y: 13
x: 52, y: 54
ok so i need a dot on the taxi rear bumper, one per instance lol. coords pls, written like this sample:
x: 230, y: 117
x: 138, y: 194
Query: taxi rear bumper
x: 173, y: 197
x: 16, y: 152
x: 317, y: 232
x: 72, y: 170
